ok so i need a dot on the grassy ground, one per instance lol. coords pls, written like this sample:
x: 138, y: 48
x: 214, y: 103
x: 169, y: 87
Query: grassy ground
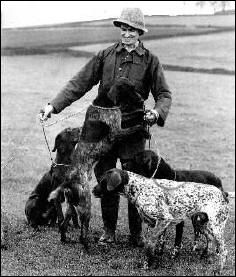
x: 199, y: 134
x: 48, y: 38
x: 208, y: 52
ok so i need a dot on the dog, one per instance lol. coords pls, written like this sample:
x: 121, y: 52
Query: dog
x: 122, y: 93
x: 38, y: 210
x: 147, y: 163
x: 101, y: 129
x: 161, y: 202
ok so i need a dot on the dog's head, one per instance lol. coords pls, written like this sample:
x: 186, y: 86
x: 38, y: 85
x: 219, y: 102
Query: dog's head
x: 123, y: 93
x: 112, y: 181
x: 143, y: 163
x: 102, y: 99
x: 66, y: 140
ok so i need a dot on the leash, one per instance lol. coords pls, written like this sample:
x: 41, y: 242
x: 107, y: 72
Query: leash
x: 158, y: 163
x: 148, y: 127
x: 45, y: 137
x: 54, y: 164
x: 63, y: 118
x: 149, y: 139
x: 149, y: 147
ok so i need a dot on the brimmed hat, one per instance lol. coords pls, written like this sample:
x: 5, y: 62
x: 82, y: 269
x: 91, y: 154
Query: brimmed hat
x: 132, y: 17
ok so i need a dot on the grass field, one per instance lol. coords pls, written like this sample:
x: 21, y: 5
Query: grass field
x: 199, y: 134
x: 211, y: 51
x: 80, y: 33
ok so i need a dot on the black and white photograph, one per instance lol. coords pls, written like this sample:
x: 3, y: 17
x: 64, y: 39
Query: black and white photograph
x: 117, y: 138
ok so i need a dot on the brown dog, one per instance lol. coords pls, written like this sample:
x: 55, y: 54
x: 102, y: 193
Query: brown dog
x: 38, y: 210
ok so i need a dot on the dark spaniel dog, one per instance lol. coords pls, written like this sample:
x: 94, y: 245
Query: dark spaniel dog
x: 38, y: 210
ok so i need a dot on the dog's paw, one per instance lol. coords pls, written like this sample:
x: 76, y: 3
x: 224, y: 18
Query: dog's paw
x: 145, y: 265
x: 52, y: 196
x: 175, y: 252
x: 63, y: 238
x: 196, y: 248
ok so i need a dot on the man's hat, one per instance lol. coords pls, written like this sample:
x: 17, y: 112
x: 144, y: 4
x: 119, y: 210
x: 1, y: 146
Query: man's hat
x: 132, y: 17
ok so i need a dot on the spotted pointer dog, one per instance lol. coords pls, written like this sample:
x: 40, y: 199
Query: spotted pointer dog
x: 161, y: 202
x: 151, y: 164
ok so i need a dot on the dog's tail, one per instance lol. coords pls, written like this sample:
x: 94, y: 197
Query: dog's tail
x: 231, y: 194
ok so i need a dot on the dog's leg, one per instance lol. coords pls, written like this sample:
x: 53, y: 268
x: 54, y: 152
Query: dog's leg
x: 196, y: 234
x: 58, y: 208
x: 208, y: 233
x: 84, y: 219
x: 199, y: 221
x: 50, y: 216
x: 217, y: 233
x: 160, y: 229
x: 54, y: 217
x: 64, y: 225
x: 75, y: 217
x: 149, y: 248
x: 160, y: 244
x: 54, y: 197
x: 222, y: 251
x: 155, y: 241
x: 178, y: 239
x: 196, y: 239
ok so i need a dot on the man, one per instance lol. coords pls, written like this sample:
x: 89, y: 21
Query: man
x: 129, y: 59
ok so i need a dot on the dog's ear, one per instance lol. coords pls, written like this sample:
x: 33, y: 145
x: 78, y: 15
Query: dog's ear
x: 149, y: 162
x: 118, y: 92
x: 57, y: 142
x: 59, y: 138
x: 113, y: 94
x: 75, y: 134
x: 112, y: 179
x: 145, y: 159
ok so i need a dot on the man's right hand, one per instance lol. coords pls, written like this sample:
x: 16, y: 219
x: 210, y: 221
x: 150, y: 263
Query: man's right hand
x: 45, y: 113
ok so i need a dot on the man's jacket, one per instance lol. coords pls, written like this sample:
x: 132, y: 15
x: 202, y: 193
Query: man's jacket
x: 140, y: 66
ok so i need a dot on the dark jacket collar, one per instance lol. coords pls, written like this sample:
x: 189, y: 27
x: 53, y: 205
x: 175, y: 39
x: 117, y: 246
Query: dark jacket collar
x: 139, y: 50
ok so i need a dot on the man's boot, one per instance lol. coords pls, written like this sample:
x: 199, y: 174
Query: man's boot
x: 135, y: 226
x: 110, y: 207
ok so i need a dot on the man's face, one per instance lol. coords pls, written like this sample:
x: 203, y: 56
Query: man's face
x: 129, y: 35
